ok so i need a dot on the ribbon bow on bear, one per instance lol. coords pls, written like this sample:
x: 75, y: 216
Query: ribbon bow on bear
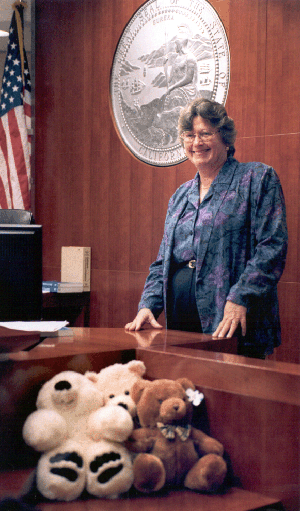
x: 169, y: 431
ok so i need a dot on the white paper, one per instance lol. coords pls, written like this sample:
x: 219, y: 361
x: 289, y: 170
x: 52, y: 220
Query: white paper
x: 35, y: 326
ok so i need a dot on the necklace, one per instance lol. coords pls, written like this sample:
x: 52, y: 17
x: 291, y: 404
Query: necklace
x: 203, y: 191
x: 204, y: 188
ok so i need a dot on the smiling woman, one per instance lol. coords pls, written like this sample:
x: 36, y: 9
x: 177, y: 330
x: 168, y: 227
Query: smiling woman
x: 208, y: 136
x: 205, y: 148
x: 225, y: 242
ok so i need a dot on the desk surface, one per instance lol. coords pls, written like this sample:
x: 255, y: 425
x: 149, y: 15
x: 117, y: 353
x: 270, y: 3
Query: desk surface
x: 177, y: 354
x: 97, y: 340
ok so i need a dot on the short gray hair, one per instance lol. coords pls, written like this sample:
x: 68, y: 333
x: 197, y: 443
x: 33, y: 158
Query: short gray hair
x: 215, y: 113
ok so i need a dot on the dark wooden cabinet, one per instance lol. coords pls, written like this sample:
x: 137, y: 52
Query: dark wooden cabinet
x: 71, y: 307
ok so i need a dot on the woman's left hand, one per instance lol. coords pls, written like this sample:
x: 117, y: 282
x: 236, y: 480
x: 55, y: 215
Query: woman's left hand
x: 233, y: 316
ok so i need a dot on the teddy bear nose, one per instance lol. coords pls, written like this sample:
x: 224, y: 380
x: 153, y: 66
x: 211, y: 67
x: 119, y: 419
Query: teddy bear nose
x: 62, y: 385
x: 176, y: 408
x: 123, y: 405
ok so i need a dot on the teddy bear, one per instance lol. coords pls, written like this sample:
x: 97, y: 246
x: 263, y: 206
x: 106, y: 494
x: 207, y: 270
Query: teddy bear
x: 80, y: 440
x: 171, y: 452
x: 116, y: 381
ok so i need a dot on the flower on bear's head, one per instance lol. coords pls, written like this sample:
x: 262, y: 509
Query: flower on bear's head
x: 194, y: 396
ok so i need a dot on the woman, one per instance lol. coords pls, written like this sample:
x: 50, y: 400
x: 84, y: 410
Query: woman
x: 225, y: 242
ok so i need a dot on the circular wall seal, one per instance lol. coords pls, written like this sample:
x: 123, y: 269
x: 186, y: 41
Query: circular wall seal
x: 170, y: 52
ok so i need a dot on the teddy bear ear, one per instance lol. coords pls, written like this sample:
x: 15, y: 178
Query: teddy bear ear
x: 138, y: 389
x: 186, y: 383
x: 137, y: 367
x: 90, y: 375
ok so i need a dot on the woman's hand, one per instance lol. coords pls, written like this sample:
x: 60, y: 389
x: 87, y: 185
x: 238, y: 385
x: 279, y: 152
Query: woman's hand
x: 233, y: 316
x: 143, y: 316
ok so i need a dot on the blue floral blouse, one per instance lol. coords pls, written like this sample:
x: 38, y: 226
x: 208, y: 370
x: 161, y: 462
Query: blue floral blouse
x: 239, y: 241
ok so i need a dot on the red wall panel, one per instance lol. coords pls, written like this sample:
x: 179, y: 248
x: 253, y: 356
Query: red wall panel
x: 91, y: 191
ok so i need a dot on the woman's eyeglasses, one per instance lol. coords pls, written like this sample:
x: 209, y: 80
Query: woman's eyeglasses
x: 189, y: 136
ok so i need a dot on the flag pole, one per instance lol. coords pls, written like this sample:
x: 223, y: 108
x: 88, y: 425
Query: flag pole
x: 23, y: 4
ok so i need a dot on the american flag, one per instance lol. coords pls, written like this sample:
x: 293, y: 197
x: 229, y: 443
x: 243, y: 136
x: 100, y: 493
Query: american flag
x: 15, y: 120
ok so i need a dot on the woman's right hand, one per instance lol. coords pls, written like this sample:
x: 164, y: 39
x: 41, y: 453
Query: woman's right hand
x: 143, y: 317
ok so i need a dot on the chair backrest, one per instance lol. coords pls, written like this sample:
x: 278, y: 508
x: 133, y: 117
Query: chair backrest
x: 16, y: 216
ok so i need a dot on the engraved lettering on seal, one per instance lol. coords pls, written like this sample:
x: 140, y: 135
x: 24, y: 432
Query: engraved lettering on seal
x: 171, y: 52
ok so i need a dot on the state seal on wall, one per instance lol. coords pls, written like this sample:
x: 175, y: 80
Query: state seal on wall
x: 170, y: 52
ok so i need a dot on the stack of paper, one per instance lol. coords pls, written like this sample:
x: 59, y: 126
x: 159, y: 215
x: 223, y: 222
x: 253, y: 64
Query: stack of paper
x: 70, y: 287
x: 46, y: 328
x: 52, y: 286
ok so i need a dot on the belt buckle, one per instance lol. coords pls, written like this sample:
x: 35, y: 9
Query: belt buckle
x: 192, y: 263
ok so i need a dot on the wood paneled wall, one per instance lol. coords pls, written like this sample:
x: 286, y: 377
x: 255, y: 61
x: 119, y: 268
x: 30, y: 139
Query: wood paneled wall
x: 90, y: 191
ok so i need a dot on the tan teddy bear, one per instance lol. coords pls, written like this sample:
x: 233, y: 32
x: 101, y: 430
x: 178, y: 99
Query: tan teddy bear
x: 116, y: 381
x: 172, y: 452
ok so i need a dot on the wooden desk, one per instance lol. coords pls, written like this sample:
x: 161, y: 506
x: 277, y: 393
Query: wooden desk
x: 15, y: 340
x: 88, y: 341
x: 253, y: 406
x: 23, y: 373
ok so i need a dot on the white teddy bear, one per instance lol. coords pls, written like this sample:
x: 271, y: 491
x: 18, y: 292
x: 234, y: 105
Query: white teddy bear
x: 116, y: 381
x: 81, y: 440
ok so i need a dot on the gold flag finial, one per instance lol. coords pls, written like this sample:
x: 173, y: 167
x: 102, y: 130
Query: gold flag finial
x: 15, y: 6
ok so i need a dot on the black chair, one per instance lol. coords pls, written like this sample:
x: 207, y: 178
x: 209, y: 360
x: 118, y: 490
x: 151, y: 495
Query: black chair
x: 16, y: 216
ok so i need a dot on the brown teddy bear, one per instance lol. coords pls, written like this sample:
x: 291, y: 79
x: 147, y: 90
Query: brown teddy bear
x: 171, y: 451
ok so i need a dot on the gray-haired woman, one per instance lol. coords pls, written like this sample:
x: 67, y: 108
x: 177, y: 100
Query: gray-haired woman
x: 225, y: 242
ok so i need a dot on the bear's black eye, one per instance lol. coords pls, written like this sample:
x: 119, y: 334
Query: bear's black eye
x: 126, y: 392
x: 111, y: 396
x: 160, y: 401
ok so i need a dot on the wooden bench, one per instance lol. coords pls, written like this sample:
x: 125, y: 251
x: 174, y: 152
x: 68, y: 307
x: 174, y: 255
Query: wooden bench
x: 235, y: 499
x: 252, y: 407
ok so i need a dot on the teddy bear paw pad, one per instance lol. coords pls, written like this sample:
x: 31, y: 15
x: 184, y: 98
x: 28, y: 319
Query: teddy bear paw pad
x: 110, y: 474
x: 104, y: 461
x: 61, y: 476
